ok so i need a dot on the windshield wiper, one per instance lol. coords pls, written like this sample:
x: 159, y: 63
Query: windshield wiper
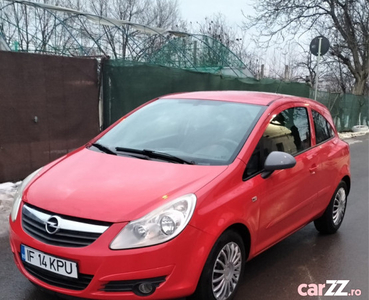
x: 168, y: 157
x: 156, y: 154
x: 103, y: 148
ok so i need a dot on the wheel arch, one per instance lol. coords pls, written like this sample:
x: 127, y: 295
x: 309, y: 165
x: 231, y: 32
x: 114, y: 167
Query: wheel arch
x: 236, y: 229
x: 244, y: 233
x: 346, y: 179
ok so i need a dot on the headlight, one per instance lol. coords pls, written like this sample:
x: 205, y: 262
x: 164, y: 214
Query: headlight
x: 159, y: 226
x: 19, y: 194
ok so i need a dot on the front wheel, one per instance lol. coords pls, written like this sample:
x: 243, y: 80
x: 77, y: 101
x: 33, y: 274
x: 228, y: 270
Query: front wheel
x: 335, y: 212
x: 223, y: 269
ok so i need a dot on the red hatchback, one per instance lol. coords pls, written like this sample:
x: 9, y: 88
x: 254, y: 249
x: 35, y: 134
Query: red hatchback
x: 176, y: 196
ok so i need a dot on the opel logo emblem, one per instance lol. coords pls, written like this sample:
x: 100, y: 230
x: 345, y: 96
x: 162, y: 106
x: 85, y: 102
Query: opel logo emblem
x: 52, y: 225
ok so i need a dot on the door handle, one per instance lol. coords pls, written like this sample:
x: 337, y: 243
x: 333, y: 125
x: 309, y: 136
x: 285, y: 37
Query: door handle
x: 313, y: 169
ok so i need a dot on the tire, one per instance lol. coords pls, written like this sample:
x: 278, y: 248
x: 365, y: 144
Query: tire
x: 229, y: 249
x: 333, y: 216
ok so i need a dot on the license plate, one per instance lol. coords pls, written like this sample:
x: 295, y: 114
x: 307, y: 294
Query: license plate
x: 48, y: 262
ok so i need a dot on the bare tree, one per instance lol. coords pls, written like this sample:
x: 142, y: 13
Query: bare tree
x: 45, y: 30
x: 163, y: 14
x: 218, y: 28
x: 345, y: 22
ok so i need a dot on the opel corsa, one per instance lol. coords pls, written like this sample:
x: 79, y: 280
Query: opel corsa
x: 176, y: 196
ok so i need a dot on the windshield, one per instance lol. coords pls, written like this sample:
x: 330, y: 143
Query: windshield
x: 200, y: 131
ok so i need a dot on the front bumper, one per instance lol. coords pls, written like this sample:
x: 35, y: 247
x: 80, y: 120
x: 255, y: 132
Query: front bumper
x: 175, y: 265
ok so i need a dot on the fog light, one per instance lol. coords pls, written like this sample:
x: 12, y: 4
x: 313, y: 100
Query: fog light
x: 144, y: 289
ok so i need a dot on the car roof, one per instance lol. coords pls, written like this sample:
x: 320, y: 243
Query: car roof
x: 260, y: 98
x: 251, y: 97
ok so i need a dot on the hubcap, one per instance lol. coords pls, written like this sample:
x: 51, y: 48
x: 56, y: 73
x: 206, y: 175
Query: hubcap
x: 339, y: 206
x: 226, y: 271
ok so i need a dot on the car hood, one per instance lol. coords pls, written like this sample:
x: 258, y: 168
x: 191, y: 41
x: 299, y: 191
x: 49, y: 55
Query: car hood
x: 99, y: 186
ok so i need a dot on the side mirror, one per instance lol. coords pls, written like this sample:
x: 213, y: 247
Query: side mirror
x: 277, y: 160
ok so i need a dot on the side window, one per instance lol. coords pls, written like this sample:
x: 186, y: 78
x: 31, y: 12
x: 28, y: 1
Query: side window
x: 323, y: 130
x: 288, y: 131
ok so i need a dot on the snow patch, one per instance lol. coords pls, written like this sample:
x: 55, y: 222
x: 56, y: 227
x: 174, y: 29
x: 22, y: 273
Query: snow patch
x: 7, y: 192
x: 348, y: 135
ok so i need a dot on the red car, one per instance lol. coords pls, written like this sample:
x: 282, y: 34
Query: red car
x: 175, y: 197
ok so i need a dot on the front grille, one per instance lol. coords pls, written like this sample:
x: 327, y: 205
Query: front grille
x: 130, y: 285
x: 50, y: 278
x: 69, y: 232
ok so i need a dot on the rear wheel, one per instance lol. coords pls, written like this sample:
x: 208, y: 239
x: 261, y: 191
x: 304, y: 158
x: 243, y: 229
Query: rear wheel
x: 223, y: 269
x: 335, y: 212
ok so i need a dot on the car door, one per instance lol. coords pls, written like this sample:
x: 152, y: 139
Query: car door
x: 326, y: 148
x: 287, y: 196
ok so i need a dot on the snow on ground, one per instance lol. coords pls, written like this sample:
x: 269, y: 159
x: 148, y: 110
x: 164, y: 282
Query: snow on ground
x: 347, y: 135
x: 7, y: 191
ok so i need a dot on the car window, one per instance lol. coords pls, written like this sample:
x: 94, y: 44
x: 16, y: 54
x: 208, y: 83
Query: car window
x: 203, y: 131
x: 323, y: 130
x: 288, y: 131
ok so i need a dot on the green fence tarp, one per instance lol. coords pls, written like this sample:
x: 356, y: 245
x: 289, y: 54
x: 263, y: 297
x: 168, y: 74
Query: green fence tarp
x: 347, y: 110
x: 127, y: 84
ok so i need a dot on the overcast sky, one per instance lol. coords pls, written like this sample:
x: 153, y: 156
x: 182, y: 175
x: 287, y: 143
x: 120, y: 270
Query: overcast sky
x: 197, y: 10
